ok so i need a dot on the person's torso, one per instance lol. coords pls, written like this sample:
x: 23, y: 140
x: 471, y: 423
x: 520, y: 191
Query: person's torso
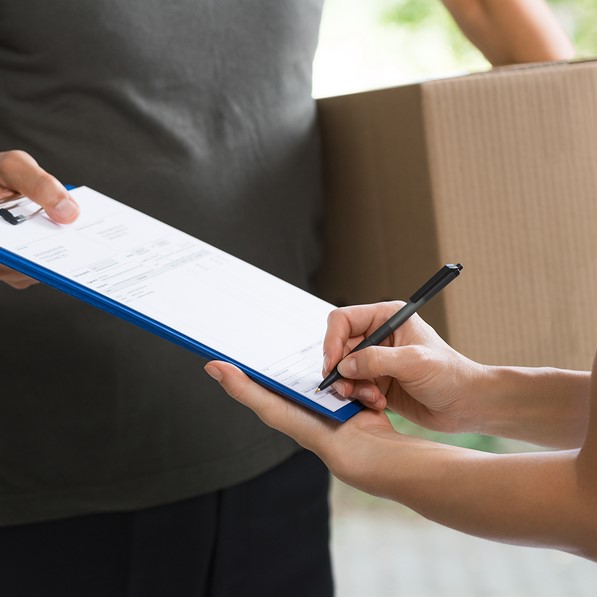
x: 198, y: 112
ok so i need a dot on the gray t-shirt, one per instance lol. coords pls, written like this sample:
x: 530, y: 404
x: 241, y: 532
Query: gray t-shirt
x: 199, y: 113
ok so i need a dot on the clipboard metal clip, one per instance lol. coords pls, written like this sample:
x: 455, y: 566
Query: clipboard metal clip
x: 18, y: 203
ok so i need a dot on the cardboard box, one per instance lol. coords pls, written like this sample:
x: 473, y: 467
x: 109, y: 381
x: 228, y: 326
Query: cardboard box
x: 497, y: 171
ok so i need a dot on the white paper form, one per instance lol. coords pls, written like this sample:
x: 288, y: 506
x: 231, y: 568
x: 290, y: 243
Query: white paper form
x: 223, y: 303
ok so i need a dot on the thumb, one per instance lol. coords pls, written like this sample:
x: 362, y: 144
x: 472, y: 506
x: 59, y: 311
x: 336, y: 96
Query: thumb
x: 269, y: 407
x: 22, y: 175
x: 305, y: 427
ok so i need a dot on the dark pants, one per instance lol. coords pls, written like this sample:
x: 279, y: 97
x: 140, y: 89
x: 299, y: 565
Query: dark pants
x: 266, y: 537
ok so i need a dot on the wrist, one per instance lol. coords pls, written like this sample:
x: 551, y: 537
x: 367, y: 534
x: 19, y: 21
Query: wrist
x: 503, y: 400
x: 403, y: 468
x: 542, y: 405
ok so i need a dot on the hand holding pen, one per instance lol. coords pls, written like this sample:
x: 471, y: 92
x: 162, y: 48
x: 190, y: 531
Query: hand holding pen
x: 439, y: 281
x: 414, y: 373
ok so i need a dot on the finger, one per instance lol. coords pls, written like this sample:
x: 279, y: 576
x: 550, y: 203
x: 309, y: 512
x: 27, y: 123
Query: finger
x: 15, y: 279
x: 400, y: 362
x: 281, y: 414
x: 21, y: 174
x: 347, y: 326
x: 369, y: 394
x: 336, y: 335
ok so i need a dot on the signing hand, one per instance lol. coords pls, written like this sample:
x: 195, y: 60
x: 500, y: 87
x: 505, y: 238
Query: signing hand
x: 415, y: 373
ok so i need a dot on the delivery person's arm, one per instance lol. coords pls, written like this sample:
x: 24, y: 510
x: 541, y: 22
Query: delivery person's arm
x: 21, y: 175
x: 512, y: 31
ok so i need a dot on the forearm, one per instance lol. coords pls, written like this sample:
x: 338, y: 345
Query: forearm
x: 526, y: 499
x: 512, y: 31
x: 544, y: 406
x: 544, y: 499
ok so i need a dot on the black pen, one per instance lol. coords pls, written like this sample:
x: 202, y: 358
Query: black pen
x: 440, y: 280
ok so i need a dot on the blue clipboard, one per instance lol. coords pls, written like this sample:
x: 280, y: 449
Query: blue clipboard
x: 126, y: 313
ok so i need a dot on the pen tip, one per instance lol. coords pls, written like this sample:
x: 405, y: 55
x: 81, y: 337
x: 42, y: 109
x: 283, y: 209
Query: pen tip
x: 318, y: 390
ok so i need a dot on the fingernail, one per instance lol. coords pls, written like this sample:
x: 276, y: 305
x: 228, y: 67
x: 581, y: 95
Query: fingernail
x: 326, y: 362
x: 213, y: 372
x: 347, y: 368
x: 341, y: 388
x: 66, y: 208
x: 366, y: 394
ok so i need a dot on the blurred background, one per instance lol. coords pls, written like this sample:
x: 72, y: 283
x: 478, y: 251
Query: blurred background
x: 367, y: 44
x: 381, y: 548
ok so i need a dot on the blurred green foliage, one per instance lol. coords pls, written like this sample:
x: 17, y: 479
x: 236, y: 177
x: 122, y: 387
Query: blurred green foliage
x: 431, y: 14
x: 464, y: 440
x: 578, y: 18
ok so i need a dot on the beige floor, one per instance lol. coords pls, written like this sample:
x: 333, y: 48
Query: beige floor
x: 380, y: 549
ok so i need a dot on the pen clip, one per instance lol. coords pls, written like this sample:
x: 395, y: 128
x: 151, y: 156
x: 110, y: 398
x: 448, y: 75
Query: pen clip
x: 437, y: 282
